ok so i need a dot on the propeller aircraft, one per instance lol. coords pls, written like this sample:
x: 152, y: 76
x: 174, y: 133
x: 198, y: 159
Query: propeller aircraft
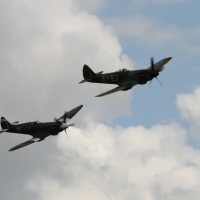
x: 39, y: 131
x: 124, y: 78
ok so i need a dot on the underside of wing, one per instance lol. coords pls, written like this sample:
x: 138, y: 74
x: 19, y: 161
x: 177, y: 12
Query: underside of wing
x: 33, y: 140
x: 117, y: 89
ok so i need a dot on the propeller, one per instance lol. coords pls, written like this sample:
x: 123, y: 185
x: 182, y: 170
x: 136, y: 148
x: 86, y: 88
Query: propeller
x: 62, y: 122
x: 67, y: 127
x: 62, y: 119
x: 57, y: 120
x: 154, y: 73
x: 150, y: 84
x: 71, y: 124
x: 66, y: 134
x: 159, y: 81
x: 152, y: 64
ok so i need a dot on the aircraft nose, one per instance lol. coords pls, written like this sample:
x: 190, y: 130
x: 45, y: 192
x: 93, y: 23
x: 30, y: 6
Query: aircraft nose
x: 64, y: 126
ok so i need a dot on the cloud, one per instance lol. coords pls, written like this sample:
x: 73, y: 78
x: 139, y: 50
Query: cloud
x: 44, y: 46
x: 118, y: 163
x: 90, y: 5
x: 189, y: 106
x: 156, y: 34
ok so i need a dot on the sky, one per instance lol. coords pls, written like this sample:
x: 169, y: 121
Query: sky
x: 140, y: 144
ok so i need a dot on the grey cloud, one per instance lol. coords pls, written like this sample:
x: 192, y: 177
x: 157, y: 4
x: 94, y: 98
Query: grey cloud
x: 44, y: 46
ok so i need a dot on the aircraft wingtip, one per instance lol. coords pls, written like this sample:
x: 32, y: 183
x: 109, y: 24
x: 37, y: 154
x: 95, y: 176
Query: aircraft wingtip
x: 11, y: 150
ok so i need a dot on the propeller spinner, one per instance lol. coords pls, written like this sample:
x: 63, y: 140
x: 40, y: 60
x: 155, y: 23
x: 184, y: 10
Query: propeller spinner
x: 62, y: 122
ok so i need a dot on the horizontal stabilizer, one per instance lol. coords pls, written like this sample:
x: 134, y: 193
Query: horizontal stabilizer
x: 83, y: 81
x: 3, y: 130
x: 33, y: 140
x: 15, y: 123
x: 99, y: 72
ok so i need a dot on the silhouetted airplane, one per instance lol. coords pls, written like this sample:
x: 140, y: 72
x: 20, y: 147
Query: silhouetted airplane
x: 38, y: 130
x: 124, y: 78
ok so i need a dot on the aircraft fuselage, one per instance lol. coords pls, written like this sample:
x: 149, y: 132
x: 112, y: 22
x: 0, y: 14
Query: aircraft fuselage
x: 36, y: 129
x: 123, y: 77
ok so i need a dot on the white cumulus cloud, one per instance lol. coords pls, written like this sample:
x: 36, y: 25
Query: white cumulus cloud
x: 118, y: 163
x: 188, y: 105
x: 44, y: 46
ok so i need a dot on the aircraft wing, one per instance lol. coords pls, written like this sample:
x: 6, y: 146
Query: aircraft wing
x: 117, y: 89
x: 33, y: 140
x: 68, y: 115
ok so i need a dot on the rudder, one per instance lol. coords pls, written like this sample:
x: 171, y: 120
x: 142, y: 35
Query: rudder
x: 87, y: 72
x: 4, y: 123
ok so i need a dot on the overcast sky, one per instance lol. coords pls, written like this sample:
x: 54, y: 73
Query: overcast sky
x: 139, y: 144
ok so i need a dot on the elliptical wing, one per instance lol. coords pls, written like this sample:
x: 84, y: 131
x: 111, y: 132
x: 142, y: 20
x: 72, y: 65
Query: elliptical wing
x: 33, y: 140
x: 117, y: 89
x: 68, y: 115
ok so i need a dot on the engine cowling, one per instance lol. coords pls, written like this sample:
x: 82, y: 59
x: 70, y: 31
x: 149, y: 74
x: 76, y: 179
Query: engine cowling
x: 128, y: 88
x: 142, y: 82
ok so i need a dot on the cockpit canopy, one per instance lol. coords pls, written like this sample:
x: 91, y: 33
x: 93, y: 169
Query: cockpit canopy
x: 36, y: 122
x: 122, y: 70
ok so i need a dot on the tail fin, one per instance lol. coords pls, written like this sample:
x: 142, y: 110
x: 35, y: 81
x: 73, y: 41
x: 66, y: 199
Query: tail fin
x: 87, y: 72
x: 4, y: 123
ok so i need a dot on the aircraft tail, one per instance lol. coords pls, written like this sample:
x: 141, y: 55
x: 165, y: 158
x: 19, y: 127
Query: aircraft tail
x: 87, y: 72
x: 5, y: 124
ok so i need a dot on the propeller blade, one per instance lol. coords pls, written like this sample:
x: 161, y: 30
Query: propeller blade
x: 62, y: 119
x: 71, y: 125
x: 152, y: 64
x: 159, y: 81
x: 56, y: 120
x: 150, y: 84
x: 66, y: 134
